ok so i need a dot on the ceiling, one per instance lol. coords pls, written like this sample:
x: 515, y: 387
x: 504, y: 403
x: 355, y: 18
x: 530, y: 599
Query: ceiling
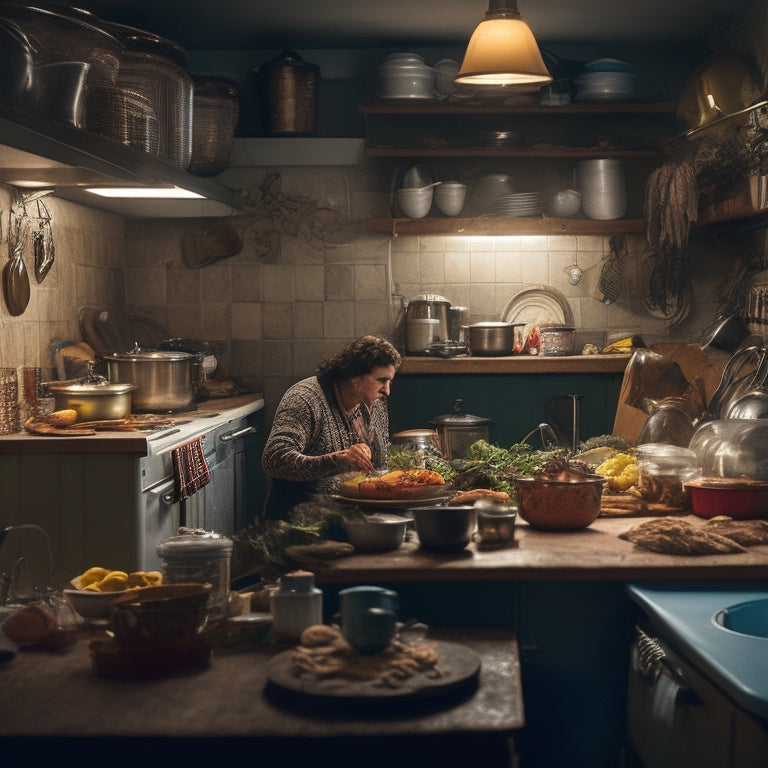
x: 253, y: 24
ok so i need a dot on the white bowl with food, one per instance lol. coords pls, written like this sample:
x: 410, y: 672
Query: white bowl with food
x: 377, y: 532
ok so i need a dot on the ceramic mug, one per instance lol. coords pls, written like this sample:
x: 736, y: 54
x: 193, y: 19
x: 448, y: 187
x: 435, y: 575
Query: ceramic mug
x: 368, y: 617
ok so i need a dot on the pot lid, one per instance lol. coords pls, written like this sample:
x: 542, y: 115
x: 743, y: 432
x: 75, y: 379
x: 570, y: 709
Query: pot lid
x: 150, y: 355
x: 430, y: 298
x: 92, y: 389
x: 458, y: 418
x: 191, y: 542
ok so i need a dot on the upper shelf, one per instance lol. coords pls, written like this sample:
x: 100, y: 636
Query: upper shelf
x: 510, y: 225
x: 460, y: 129
x: 38, y: 154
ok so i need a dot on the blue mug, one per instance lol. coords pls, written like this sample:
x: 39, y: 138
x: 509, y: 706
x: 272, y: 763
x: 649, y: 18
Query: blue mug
x: 368, y: 617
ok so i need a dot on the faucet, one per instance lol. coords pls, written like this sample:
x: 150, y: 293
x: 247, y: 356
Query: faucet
x: 9, y: 582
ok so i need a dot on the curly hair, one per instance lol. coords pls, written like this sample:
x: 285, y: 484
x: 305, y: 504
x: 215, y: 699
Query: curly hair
x: 358, y: 358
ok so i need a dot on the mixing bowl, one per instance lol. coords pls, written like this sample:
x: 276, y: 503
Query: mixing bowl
x: 450, y: 197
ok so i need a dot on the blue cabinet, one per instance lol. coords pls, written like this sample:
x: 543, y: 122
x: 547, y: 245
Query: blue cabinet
x: 515, y: 402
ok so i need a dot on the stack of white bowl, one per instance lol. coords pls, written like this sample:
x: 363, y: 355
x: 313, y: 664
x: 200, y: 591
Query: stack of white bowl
x: 603, y: 188
x: 406, y: 76
x: 415, y: 202
x: 450, y: 197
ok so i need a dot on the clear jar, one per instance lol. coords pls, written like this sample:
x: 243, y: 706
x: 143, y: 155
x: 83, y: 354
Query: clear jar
x: 295, y: 605
x: 663, y: 471
x: 199, y: 557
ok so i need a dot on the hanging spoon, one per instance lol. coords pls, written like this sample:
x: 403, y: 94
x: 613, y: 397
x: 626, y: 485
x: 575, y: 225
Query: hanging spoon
x: 15, y: 276
x: 42, y: 241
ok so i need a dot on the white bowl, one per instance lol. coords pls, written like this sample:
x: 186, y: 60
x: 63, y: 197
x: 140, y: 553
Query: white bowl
x: 92, y: 605
x: 450, y: 197
x: 415, y: 203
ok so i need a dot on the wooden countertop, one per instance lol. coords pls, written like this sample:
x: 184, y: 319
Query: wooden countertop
x: 615, y: 363
x: 58, y: 695
x: 595, y: 553
x: 122, y: 442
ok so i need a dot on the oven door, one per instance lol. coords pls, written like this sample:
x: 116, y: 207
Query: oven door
x: 675, y: 718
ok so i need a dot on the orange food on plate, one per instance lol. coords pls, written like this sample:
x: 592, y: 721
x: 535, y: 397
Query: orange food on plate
x: 400, y: 484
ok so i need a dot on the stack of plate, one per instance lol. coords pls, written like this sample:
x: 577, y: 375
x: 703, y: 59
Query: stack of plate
x: 518, y: 204
x: 606, y: 80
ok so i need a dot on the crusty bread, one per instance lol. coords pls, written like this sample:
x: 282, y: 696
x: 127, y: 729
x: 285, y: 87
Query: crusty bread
x: 62, y: 418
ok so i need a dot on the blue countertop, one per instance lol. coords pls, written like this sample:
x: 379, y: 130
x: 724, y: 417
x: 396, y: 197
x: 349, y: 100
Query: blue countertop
x: 683, y: 614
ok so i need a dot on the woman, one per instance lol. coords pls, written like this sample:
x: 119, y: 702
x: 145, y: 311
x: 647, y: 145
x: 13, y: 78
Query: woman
x: 330, y: 423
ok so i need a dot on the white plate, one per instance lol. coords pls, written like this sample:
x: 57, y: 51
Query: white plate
x: 544, y: 306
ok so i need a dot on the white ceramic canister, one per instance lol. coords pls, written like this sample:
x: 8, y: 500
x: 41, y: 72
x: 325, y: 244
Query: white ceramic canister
x: 199, y: 557
x: 295, y: 605
x: 603, y: 188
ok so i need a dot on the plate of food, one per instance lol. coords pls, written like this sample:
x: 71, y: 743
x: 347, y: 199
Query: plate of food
x: 396, y: 487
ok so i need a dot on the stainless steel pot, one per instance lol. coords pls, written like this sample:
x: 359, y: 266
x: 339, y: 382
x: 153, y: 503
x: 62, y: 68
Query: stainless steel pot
x: 492, y: 338
x: 94, y: 402
x: 163, y: 379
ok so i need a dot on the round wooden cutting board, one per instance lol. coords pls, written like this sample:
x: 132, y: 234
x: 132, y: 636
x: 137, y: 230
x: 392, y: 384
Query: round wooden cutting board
x: 459, y: 668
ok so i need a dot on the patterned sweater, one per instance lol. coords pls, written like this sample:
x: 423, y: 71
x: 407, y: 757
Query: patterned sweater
x: 309, y: 425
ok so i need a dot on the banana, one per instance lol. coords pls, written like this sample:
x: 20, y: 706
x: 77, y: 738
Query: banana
x: 92, y: 575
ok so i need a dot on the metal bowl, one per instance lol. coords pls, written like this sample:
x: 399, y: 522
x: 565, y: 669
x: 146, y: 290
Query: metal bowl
x: 376, y: 533
x: 444, y: 529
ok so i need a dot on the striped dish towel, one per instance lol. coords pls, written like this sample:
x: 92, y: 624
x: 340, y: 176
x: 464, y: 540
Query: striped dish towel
x: 190, y: 467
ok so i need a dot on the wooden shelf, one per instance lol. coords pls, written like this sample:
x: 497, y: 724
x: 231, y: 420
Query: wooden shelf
x: 526, y: 152
x: 468, y: 108
x: 488, y: 225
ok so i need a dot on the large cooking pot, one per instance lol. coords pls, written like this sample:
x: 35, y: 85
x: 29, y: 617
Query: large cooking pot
x: 93, y: 401
x: 163, y: 379
x: 492, y: 338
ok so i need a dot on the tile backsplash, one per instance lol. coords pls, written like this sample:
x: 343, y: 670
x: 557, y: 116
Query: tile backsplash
x: 285, y: 301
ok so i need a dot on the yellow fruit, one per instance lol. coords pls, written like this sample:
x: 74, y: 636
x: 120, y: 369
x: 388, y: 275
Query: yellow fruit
x: 620, y: 471
x: 114, y: 581
x: 92, y: 575
x: 144, y: 578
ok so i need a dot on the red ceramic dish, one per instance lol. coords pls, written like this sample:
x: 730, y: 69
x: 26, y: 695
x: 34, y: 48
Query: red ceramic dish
x: 735, y: 497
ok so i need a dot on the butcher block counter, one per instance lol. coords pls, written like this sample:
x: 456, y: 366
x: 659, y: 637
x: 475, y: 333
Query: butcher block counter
x: 595, y: 553
x: 106, y: 441
x: 222, y: 712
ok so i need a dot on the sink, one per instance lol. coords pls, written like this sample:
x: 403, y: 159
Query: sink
x: 747, y: 618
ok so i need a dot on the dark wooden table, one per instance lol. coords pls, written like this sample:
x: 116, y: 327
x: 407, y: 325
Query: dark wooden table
x: 55, y: 705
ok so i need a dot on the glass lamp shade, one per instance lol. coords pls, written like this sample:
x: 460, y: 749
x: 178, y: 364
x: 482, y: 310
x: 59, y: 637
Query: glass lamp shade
x: 503, y: 51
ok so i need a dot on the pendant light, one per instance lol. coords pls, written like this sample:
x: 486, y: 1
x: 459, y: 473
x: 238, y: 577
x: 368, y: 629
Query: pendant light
x: 503, y: 51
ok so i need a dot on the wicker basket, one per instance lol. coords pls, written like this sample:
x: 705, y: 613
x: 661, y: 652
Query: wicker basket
x: 289, y: 88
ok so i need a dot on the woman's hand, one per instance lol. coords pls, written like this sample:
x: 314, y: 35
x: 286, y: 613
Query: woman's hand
x: 358, y: 455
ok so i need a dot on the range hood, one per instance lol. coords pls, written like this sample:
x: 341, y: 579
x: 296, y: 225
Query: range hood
x: 39, y: 155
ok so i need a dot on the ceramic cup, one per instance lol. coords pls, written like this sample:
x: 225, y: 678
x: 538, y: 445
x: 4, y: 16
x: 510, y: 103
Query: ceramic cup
x: 368, y: 617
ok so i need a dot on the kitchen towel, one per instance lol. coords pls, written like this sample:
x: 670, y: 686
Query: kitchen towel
x: 190, y: 467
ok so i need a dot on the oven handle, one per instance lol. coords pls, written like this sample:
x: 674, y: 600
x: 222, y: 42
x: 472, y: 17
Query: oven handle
x: 235, y: 433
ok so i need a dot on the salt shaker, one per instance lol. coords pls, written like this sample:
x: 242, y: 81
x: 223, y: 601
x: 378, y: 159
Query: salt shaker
x: 296, y: 605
